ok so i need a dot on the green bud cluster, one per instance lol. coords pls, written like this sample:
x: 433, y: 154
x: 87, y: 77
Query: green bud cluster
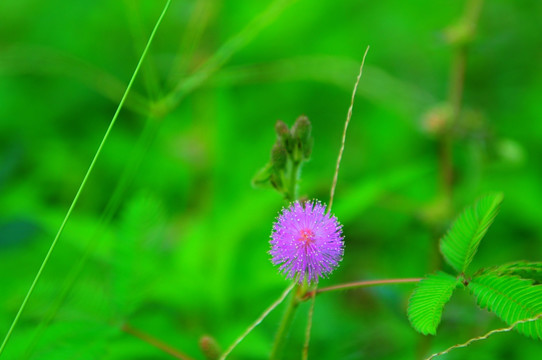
x: 292, y: 147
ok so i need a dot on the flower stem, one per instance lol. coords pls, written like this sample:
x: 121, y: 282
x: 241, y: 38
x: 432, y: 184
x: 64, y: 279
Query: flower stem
x: 258, y: 321
x: 358, y: 284
x: 343, y: 142
x: 286, y: 322
x: 305, y: 352
x: 455, y: 94
x: 484, y: 337
x: 292, y: 178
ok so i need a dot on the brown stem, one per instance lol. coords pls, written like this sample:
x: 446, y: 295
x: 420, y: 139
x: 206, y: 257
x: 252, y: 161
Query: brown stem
x: 359, y: 284
x: 457, y: 80
x: 127, y: 328
x: 455, y: 95
x: 469, y: 20
x: 455, y: 99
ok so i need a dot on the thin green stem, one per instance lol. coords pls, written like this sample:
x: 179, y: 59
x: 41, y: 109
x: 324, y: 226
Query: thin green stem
x: 148, y: 71
x: 359, y: 284
x: 83, y: 183
x: 305, y: 353
x: 292, y: 180
x: 110, y: 210
x: 257, y: 322
x: 285, y: 324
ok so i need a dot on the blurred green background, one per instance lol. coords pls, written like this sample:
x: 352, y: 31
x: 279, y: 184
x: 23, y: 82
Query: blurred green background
x: 169, y: 238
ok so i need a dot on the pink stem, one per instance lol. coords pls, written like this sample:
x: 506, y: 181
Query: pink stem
x: 359, y: 284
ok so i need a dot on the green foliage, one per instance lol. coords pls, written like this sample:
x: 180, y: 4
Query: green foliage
x: 461, y: 242
x: 508, y: 290
x: 512, y: 299
x: 134, y: 251
x: 428, y: 300
x: 217, y: 77
x: 76, y: 339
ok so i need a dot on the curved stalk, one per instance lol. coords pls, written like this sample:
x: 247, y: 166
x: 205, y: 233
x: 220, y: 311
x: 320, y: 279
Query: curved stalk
x: 359, y: 284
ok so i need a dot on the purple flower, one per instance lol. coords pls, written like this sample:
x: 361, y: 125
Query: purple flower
x: 306, y: 242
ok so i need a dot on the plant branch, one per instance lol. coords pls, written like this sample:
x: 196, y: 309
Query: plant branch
x: 155, y: 342
x: 483, y: 337
x: 359, y: 284
x: 258, y: 321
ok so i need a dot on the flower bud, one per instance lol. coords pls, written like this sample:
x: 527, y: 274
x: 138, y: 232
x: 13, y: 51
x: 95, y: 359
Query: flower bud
x: 282, y: 129
x: 436, y: 120
x: 301, y: 139
x: 209, y: 347
x: 302, y: 129
x: 279, y: 156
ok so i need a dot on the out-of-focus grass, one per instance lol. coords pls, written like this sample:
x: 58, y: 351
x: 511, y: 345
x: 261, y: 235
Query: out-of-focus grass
x: 184, y: 250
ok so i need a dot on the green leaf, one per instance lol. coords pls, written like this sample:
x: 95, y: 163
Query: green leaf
x: 512, y: 299
x: 428, y: 300
x: 461, y: 242
x: 523, y: 269
x: 263, y: 176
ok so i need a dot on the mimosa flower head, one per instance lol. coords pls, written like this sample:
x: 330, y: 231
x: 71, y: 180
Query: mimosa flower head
x: 306, y: 243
